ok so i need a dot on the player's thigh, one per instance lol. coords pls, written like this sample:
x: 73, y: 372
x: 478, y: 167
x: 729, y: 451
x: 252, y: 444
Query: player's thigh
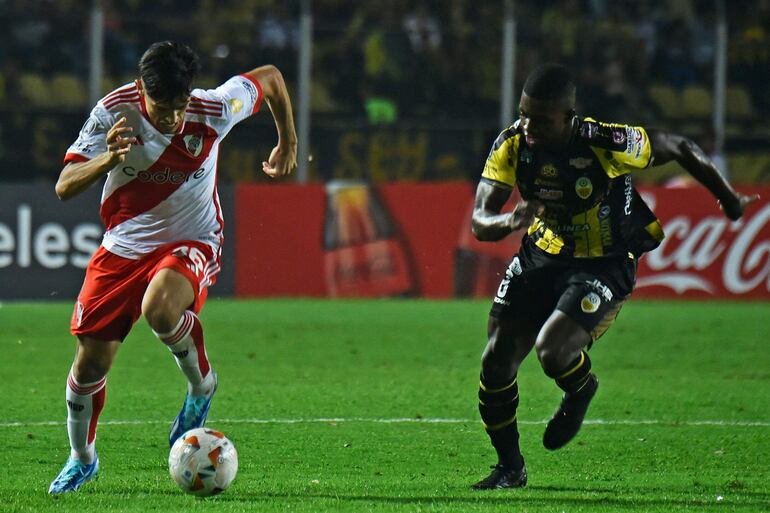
x: 508, y: 343
x: 560, y: 339
x: 520, y: 306
x: 168, y: 295
x: 93, y: 358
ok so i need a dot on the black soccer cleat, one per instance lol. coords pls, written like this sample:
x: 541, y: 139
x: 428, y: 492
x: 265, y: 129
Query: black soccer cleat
x: 567, y: 420
x: 503, y: 477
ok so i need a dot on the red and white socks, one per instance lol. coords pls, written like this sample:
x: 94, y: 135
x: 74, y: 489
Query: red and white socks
x: 185, y: 342
x: 84, y: 404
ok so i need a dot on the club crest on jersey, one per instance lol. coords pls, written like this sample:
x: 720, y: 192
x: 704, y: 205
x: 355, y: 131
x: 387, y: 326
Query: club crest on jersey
x: 618, y: 136
x: 590, y: 302
x: 194, y: 144
x: 548, y: 171
x: 580, y: 162
x: 584, y: 187
x: 526, y: 156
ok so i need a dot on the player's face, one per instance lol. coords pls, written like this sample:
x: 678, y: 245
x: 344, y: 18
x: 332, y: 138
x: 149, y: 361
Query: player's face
x: 167, y: 116
x: 546, y: 123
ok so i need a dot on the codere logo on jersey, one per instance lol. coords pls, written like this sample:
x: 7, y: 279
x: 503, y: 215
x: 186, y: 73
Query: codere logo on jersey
x: 166, y: 175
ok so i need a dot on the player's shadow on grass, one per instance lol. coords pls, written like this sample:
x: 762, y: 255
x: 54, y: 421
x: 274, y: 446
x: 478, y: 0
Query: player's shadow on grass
x: 647, y: 490
x: 504, y: 498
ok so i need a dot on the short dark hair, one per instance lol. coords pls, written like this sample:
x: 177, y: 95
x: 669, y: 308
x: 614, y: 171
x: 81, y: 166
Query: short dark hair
x: 550, y: 82
x: 168, y: 69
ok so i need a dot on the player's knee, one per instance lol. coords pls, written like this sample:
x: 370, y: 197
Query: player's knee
x: 497, y: 367
x: 495, y: 371
x: 551, y: 355
x: 90, y: 367
x: 159, y: 316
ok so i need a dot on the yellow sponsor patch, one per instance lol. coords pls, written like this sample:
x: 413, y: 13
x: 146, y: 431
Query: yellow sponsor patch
x: 549, y: 171
x: 590, y: 302
x: 236, y: 105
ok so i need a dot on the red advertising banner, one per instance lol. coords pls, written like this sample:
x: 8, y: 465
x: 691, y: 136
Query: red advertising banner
x: 704, y: 254
x: 414, y: 239
x: 349, y: 239
x: 279, y: 240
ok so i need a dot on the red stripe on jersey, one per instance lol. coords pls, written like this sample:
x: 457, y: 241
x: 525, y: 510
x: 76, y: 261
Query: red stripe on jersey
x: 115, y: 96
x: 123, y: 94
x: 75, y: 157
x: 129, y: 88
x: 204, y: 113
x: 213, y: 103
x: 202, y: 106
x: 254, y: 81
x: 119, y: 100
x: 155, y: 184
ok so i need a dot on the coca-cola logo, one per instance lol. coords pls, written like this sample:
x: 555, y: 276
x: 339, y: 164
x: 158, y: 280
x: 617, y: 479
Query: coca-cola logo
x: 693, y: 247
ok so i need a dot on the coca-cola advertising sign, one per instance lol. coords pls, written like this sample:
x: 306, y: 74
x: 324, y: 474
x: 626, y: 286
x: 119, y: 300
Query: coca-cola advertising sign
x: 704, y: 254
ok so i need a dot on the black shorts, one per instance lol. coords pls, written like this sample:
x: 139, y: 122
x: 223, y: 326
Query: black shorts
x: 589, y: 291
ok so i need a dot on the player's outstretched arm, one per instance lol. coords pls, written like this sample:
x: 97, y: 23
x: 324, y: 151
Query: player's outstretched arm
x: 667, y: 146
x: 283, y: 158
x: 77, y: 177
x: 488, y: 224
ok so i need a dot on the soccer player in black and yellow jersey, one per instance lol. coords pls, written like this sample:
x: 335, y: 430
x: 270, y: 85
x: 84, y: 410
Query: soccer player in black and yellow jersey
x: 587, y: 228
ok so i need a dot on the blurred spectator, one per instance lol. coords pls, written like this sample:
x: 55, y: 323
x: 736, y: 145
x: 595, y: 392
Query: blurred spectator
x: 425, y: 62
x: 673, y: 62
x: 422, y: 29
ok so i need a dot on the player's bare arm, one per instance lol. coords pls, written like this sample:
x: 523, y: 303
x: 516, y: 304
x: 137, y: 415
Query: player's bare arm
x: 283, y: 158
x: 667, y: 146
x: 77, y: 177
x: 488, y: 224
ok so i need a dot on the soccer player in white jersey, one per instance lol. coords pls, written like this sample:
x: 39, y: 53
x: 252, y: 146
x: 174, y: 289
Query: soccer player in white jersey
x: 157, y: 142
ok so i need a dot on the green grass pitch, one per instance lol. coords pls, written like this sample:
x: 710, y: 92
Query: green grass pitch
x: 354, y: 406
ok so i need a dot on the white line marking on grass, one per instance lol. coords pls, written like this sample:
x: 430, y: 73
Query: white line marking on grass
x: 410, y: 420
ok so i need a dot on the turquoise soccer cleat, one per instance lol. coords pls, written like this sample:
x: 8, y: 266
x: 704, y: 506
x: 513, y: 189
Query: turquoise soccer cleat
x: 74, y: 475
x: 193, y: 415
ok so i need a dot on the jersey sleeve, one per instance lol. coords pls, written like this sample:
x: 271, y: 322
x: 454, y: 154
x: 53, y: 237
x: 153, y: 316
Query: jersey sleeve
x: 92, y: 139
x: 242, y: 97
x: 620, y: 148
x: 502, y: 160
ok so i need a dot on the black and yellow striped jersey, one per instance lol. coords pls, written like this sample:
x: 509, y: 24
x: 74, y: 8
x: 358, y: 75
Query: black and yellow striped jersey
x: 591, y: 206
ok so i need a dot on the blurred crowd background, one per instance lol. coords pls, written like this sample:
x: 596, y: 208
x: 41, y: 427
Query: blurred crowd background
x: 401, y: 89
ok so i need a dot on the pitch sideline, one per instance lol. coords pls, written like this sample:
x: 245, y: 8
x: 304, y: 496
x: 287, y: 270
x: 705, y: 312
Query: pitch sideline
x: 408, y: 420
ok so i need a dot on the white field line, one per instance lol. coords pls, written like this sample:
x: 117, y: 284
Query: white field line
x: 408, y: 420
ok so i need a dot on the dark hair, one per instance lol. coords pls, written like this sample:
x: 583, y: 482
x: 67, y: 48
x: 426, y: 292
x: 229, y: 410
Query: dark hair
x: 168, y: 69
x: 550, y: 82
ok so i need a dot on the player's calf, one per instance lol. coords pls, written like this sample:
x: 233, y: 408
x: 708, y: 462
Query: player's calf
x: 186, y: 343
x: 498, y: 403
x: 580, y: 386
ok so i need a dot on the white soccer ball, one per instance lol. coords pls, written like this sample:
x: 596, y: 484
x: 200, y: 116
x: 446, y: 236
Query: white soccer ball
x: 203, y: 462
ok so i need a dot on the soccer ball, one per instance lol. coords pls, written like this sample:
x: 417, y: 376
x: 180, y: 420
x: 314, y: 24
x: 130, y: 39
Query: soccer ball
x: 203, y: 462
